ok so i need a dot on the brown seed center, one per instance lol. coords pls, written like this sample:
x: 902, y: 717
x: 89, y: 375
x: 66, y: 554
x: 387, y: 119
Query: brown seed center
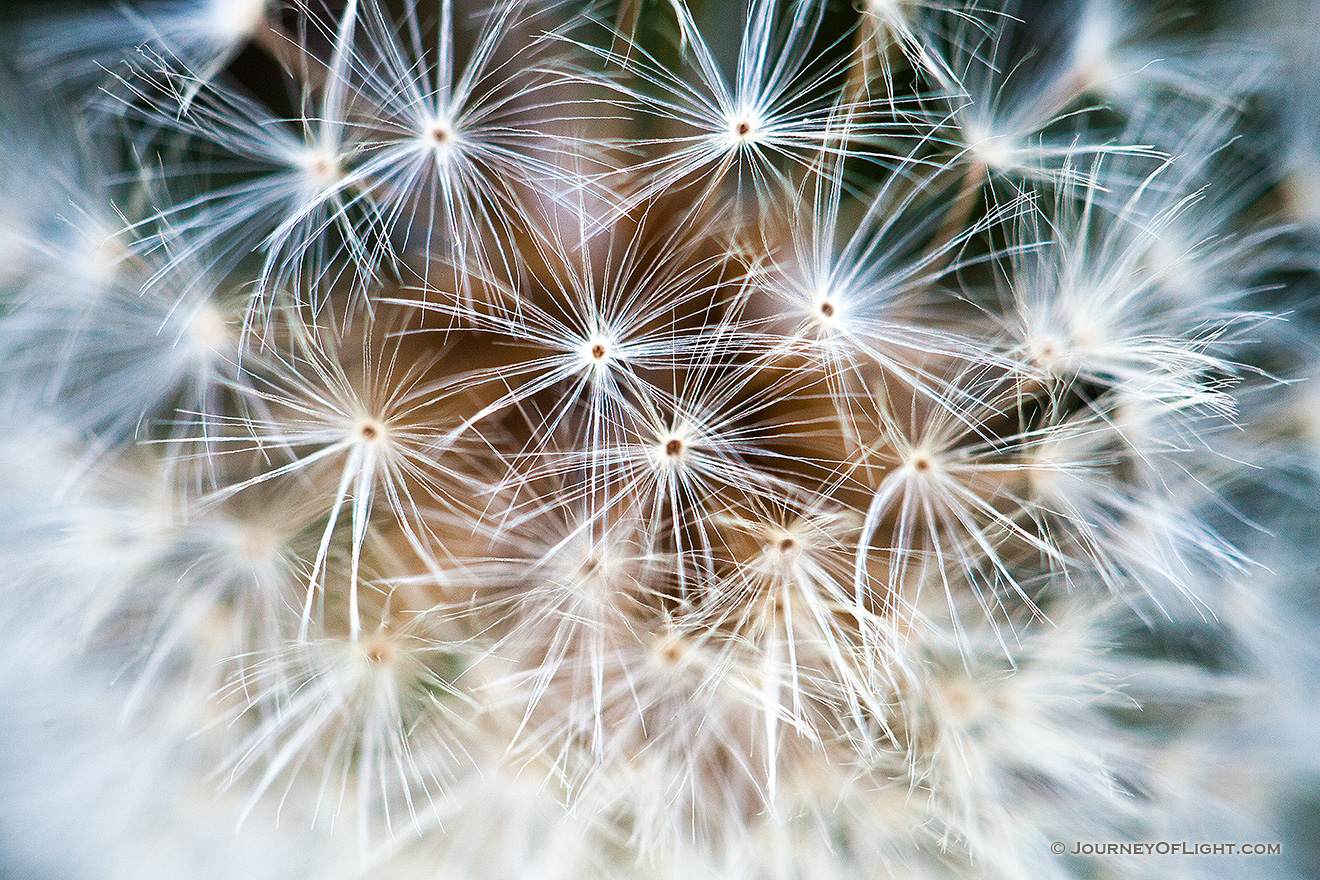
x: 743, y: 129
x: 921, y: 463
x: 598, y: 351
x: 827, y: 309
x: 786, y: 545
x: 369, y: 432
x: 674, y: 447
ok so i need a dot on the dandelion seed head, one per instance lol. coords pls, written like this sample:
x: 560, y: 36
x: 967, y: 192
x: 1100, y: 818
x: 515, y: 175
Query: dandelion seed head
x: 1049, y: 353
x: 996, y: 151
x: 1093, y: 47
x: 745, y: 129
x: 231, y: 21
x: 597, y: 571
x: 599, y: 353
x: 605, y: 457
x: 1090, y: 331
x: 827, y: 311
x: 102, y: 256
x: 889, y: 10
x: 440, y: 136
x: 322, y: 167
x: 670, y: 652
x: 594, y: 573
x: 786, y: 545
x: 210, y: 330
x: 371, y: 431
x: 257, y: 543
x: 923, y: 462
x: 965, y: 703
x: 1072, y: 333
x: 671, y: 449
x: 378, y: 651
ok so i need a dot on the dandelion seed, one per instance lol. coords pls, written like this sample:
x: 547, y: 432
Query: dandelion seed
x: 1091, y: 306
x: 771, y: 114
x: 456, y: 147
x: 1012, y: 109
x: 384, y: 708
x: 375, y: 424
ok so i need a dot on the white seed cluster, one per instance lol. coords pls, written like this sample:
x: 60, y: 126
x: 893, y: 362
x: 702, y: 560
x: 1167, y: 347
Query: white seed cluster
x: 784, y: 439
